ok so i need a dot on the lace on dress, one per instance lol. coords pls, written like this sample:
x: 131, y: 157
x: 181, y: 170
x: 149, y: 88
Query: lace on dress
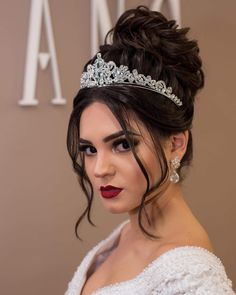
x: 182, y: 270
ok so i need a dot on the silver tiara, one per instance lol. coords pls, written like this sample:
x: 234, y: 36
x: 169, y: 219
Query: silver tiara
x: 101, y: 73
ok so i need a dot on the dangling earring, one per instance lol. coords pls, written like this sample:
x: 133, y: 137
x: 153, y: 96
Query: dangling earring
x: 175, y: 164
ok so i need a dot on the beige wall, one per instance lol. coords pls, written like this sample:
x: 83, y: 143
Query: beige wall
x: 40, y: 197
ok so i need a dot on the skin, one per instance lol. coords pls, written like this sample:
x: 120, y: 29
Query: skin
x: 107, y: 164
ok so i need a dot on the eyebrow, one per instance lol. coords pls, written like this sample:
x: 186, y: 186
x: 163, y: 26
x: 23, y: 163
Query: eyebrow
x: 110, y: 137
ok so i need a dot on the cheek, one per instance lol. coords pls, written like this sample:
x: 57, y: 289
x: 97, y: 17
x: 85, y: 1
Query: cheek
x: 133, y: 174
x: 151, y: 165
x: 88, y: 167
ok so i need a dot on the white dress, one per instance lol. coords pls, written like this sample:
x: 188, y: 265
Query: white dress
x: 182, y: 270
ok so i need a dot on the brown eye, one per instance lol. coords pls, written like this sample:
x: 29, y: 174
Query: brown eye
x: 87, y: 149
x: 122, y: 145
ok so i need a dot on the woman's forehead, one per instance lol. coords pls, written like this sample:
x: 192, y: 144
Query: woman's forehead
x: 98, y: 116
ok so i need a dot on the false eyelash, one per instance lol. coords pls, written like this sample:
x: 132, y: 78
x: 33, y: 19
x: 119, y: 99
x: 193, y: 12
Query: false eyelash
x: 83, y: 147
x: 119, y: 141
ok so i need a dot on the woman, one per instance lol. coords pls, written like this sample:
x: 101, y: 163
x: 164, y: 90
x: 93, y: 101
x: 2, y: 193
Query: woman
x: 129, y: 139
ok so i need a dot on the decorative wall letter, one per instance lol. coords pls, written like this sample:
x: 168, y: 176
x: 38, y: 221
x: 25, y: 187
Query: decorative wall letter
x: 38, y: 9
x: 173, y: 6
x: 100, y: 17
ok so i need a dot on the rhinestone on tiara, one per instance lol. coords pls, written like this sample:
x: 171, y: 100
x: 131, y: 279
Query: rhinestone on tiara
x: 101, y: 73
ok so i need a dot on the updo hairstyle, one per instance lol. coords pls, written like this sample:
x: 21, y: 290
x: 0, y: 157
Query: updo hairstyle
x: 144, y: 40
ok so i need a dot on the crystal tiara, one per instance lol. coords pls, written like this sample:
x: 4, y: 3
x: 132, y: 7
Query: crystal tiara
x: 101, y: 73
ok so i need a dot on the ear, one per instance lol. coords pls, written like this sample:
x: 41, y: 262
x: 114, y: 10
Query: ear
x: 178, y: 144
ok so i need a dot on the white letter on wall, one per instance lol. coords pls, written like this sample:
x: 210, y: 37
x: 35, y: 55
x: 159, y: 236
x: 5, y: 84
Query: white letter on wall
x: 100, y: 19
x: 173, y: 5
x: 38, y: 8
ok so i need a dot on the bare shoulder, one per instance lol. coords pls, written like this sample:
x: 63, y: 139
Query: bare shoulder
x: 191, y: 236
x: 202, y: 239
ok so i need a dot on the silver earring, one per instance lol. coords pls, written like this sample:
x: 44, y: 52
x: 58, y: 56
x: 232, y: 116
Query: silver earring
x: 175, y: 164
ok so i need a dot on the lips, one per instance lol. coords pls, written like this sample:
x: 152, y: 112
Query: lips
x: 110, y: 191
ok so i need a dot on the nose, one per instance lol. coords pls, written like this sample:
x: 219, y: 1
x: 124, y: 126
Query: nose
x: 103, y: 166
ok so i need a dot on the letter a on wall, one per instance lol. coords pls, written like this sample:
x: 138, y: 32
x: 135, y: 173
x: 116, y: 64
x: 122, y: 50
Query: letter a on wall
x: 40, y: 8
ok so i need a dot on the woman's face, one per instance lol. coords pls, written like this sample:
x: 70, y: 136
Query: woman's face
x: 110, y: 161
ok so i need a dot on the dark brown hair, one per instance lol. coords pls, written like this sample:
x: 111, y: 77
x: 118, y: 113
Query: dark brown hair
x: 144, y: 40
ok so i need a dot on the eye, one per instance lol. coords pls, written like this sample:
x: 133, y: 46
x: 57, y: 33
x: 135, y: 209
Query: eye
x: 122, y: 145
x: 87, y: 149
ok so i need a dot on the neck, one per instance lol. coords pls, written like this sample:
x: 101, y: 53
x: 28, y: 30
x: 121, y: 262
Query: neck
x: 161, y: 212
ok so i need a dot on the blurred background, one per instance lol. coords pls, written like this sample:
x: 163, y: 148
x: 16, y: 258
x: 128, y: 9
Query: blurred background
x: 40, y: 197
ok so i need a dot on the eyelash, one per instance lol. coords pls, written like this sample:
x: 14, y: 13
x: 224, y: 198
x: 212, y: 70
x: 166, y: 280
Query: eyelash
x: 83, y: 148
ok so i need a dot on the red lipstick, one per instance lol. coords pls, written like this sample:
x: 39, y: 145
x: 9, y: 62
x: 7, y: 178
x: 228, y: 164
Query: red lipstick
x: 110, y: 191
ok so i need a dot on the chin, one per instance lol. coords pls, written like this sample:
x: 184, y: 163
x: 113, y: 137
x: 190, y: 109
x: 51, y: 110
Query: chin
x: 117, y: 208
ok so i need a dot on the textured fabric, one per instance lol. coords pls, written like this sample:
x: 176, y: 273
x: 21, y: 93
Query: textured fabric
x: 182, y: 270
